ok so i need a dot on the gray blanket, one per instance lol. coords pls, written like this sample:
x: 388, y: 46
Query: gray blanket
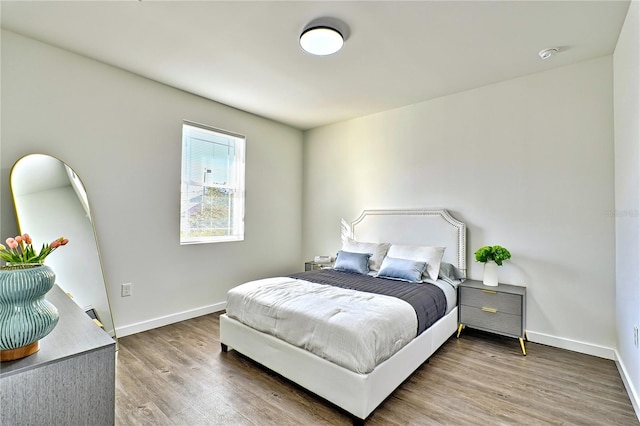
x: 427, y: 300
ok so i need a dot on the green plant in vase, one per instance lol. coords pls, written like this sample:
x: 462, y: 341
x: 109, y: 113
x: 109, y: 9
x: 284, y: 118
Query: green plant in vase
x: 496, y: 253
x: 492, y: 257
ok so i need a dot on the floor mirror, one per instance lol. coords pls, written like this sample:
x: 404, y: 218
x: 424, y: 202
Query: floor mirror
x: 51, y: 202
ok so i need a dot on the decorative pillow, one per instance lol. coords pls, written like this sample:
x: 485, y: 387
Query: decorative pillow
x: 451, y: 274
x: 352, y: 262
x: 402, y: 269
x: 376, y: 250
x: 432, y: 256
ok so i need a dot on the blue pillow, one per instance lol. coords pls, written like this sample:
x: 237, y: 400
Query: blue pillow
x: 352, y: 262
x: 402, y: 269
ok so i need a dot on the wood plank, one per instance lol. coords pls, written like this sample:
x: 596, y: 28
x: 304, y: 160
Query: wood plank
x: 177, y: 375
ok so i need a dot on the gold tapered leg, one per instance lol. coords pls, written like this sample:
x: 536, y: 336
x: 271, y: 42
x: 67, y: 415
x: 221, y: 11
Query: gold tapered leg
x: 524, y: 352
x: 460, y: 327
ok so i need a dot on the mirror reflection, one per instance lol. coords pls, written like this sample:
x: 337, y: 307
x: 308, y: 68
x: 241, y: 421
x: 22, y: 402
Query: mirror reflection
x: 51, y: 201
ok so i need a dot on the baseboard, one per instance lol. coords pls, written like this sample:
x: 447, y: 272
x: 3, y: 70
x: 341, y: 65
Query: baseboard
x: 169, y: 319
x: 572, y: 345
x: 628, y: 384
x: 545, y: 339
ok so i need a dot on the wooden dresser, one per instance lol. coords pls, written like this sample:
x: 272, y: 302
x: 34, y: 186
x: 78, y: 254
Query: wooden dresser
x: 69, y: 381
x: 500, y: 309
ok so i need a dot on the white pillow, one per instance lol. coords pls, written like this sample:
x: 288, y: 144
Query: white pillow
x: 376, y: 250
x: 431, y: 255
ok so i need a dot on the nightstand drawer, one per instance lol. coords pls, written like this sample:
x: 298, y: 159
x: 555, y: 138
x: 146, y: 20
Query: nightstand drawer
x: 500, y: 301
x: 498, y: 322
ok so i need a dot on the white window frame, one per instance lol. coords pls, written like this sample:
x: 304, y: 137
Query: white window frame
x: 237, y: 186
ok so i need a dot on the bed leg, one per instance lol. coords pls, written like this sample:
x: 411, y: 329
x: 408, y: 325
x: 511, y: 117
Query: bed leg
x: 224, y: 347
x: 357, y: 421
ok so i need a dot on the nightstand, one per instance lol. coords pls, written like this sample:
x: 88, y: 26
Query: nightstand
x: 499, y: 309
x: 314, y: 266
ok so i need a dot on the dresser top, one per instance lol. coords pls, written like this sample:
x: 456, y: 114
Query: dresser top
x: 74, y: 334
x: 503, y: 288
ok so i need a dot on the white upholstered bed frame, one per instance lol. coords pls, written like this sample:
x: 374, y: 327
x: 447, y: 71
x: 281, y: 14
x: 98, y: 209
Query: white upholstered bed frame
x: 360, y: 394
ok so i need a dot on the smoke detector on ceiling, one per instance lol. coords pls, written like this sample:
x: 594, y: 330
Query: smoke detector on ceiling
x: 547, y: 53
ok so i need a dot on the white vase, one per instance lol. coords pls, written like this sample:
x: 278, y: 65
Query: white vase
x: 490, y: 273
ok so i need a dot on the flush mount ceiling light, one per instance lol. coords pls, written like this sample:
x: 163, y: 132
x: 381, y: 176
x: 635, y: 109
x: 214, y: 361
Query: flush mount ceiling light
x: 321, y: 41
x: 548, y: 53
x: 323, y: 36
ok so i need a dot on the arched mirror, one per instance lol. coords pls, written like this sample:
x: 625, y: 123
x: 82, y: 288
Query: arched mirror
x: 50, y: 202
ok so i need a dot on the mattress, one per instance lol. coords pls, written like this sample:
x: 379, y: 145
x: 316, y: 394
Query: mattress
x: 352, y: 328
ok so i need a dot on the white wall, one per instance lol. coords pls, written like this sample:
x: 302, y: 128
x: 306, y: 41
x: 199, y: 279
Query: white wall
x: 526, y: 163
x: 626, y: 62
x: 121, y: 133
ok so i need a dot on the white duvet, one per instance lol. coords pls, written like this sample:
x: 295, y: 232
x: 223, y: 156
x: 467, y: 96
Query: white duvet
x: 353, y: 329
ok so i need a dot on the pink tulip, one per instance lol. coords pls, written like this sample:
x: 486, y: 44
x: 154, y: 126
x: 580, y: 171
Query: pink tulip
x: 12, y: 243
x: 59, y: 242
x: 19, y: 249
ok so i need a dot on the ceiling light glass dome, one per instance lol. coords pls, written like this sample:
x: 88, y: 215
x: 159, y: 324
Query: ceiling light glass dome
x: 321, y: 40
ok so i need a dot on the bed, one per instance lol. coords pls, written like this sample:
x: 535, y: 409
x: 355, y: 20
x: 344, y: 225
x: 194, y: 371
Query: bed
x: 357, y: 390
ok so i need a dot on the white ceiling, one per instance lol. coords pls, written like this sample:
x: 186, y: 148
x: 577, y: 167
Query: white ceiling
x: 246, y: 54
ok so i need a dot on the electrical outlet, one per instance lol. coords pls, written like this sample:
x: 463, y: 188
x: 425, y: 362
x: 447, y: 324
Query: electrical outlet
x: 126, y: 290
x: 635, y: 336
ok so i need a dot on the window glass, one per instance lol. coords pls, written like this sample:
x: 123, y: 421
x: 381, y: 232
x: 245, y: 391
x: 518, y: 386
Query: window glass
x: 212, y: 189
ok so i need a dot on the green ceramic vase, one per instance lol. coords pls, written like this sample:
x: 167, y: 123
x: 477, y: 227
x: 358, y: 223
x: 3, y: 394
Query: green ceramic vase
x: 25, y: 315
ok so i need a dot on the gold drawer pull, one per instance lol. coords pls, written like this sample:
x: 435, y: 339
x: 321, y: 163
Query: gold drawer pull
x: 490, y: 310
x: 489, y: 291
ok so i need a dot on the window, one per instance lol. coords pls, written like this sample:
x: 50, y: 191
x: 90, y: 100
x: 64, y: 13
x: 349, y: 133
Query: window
x: 212, y: 185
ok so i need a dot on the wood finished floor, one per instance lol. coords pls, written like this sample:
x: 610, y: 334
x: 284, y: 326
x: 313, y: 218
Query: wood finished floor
x: 177, y: 375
